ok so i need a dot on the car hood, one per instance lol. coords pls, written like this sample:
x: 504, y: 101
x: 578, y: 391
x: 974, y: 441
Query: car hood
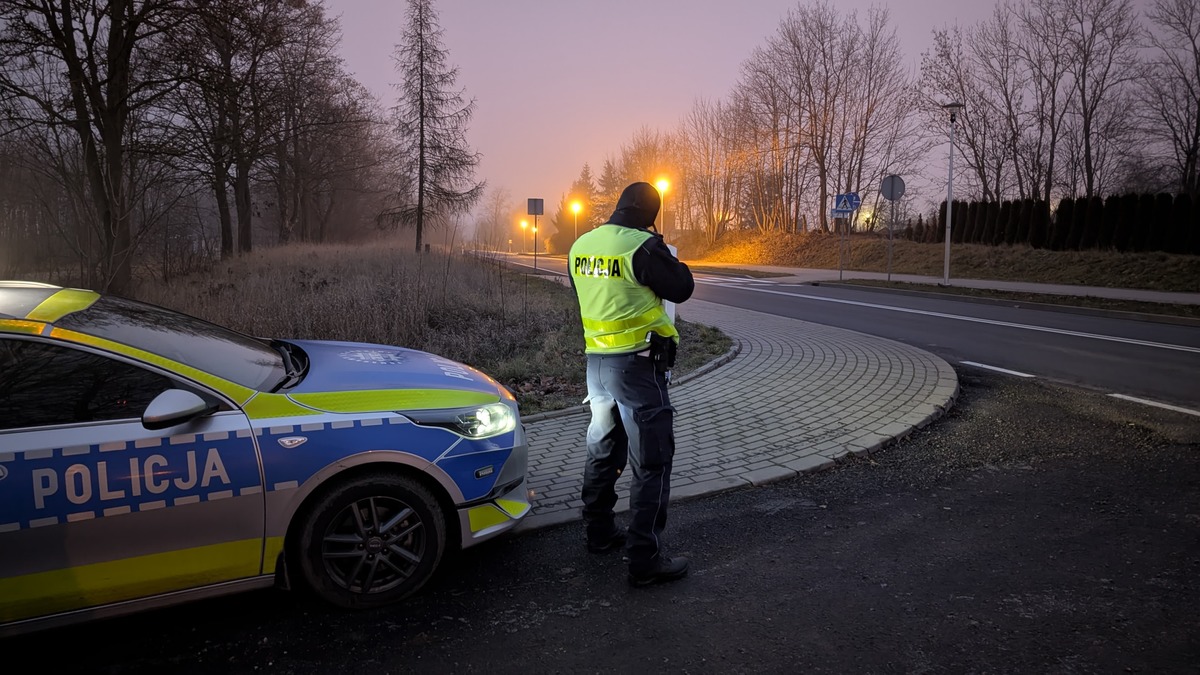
x: 358, y: 377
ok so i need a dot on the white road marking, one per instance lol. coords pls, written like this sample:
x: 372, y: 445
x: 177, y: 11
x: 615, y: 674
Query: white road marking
x: 972, y: 319
x: 996, y: 368
x: 720, y: 281
x: 1156, y: 404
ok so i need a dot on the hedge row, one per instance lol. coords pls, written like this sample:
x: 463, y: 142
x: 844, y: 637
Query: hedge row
x: 1147, y: 222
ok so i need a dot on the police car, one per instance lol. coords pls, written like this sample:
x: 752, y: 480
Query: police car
x: 148, y: 457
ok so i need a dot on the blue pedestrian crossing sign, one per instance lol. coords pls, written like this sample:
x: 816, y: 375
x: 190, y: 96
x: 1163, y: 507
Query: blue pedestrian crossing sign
x: 845, y: 204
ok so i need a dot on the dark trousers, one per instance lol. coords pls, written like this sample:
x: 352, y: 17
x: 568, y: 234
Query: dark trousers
x: 632, y: 423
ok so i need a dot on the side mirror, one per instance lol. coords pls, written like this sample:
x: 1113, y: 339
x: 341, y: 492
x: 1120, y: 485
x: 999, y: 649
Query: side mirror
x: 174, y: 406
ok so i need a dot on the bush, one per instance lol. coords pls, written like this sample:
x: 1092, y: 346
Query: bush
x: 1061, y: 223
x: 1160, y: 231
x: 1181, y: 214
x: 1109, y: 223
x: 1090, y: 228
x: 1124, y: 237
x: 1039, y: 226
x: 1075, y: 227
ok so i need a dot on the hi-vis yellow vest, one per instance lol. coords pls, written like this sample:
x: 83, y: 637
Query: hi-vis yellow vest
x: 617, y: 311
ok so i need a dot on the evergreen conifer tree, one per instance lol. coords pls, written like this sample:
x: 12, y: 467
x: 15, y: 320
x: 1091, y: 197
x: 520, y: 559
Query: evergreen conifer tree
x: 1181, y: 213
x: 432, y: 118
x: 1061, y: 225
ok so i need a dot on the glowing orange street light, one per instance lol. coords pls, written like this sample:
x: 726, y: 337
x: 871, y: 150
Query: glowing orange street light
x: 662, y: 185
x: 524, y: 227
x: 575, y: 207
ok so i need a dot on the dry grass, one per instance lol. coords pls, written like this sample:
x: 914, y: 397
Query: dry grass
x: 1153, y: 271
x: 523, y: 331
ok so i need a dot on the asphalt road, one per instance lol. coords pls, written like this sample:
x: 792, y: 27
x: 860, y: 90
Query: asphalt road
x: 1035, y: 528
x: 1157, y: 361
x: 1154, y: 361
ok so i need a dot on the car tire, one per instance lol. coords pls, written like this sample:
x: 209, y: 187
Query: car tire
x: 371, y: 541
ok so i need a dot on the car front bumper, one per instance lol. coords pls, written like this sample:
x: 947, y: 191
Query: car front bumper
x: 501, y: 510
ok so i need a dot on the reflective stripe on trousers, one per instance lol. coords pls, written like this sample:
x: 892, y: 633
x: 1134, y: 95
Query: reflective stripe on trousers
x: 632, y: 423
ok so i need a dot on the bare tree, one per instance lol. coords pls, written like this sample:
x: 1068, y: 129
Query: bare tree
x: 495, y: 226
x: 432, y: 118
x: 325, y: 161
x: 1103, y: 36
x: 950, y: 72
x: 768, y: 134
x: 1171, y: 89
x: 714, y: 167
x: 843, y: 79
x: 84, y: 66
x: 996, y: 50
x: 1045, y: 52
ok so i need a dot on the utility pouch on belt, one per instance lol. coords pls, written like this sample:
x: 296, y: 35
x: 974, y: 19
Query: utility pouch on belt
x: 662, y: 351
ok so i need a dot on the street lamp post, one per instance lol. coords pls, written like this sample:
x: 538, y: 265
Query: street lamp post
x: 535, y: 242
x: 953, y: 108
x: 575, y: 207
x: 524, y: 243
x: 662, y: 185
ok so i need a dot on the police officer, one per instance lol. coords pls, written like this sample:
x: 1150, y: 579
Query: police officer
x: 622, y: 272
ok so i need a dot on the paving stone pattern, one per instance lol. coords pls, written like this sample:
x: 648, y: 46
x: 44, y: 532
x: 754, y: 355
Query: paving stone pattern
x: 792, y: 397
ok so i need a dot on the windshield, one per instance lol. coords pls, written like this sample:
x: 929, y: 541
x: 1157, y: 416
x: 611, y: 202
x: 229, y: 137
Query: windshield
x: 202, y: 345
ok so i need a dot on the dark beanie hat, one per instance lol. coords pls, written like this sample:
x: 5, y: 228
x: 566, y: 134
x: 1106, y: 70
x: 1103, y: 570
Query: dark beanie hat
x: 637, y: 207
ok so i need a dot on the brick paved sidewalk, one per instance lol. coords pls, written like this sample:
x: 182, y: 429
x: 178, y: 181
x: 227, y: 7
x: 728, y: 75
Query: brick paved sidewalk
x: 794, y: 397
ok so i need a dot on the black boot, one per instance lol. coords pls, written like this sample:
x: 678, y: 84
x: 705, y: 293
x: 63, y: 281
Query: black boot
x: 661, y: 570
x: 612, y: 542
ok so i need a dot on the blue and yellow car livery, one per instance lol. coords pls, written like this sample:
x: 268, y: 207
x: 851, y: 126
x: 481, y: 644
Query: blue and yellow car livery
x: 147, y: 457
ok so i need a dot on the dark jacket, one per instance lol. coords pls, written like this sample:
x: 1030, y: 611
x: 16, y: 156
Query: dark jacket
x: 653, y: 264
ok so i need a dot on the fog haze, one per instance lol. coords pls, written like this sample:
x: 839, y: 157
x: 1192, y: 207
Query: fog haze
x: 560, y: 84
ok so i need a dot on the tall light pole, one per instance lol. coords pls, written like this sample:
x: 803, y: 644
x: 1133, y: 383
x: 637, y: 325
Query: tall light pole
x: 953, y: 108
x: 662, y: 185
x: 524, y: 244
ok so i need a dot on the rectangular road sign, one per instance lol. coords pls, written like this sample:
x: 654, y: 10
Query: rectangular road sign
x: 847, y: 202
x: 840, y: 213
x: 535, y: 207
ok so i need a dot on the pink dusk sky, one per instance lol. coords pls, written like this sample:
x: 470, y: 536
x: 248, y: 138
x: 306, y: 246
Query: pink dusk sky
x: 560, y: 83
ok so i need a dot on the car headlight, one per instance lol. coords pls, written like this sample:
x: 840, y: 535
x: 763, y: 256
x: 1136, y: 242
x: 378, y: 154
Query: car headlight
x: 487, y: 420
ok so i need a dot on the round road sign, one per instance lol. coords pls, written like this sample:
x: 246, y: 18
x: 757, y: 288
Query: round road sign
x: 893, y: 188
